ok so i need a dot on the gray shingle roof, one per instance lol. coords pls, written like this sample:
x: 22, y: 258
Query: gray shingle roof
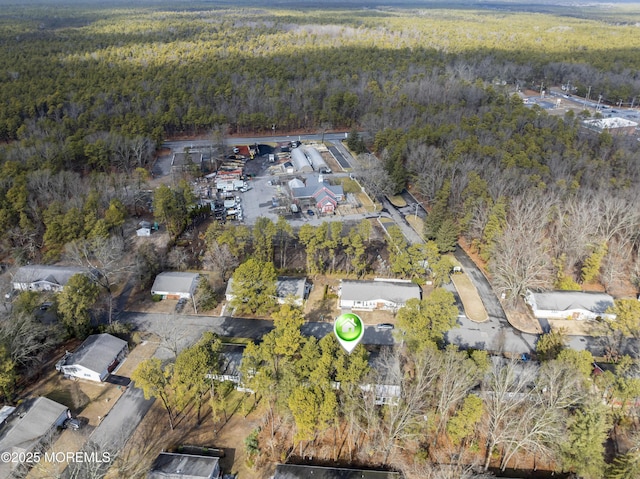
x: 174, y: 282
x: 97, y: 352
x: 397, y: 292
x: 287, y: 285
x: 30, y: 421
x: 52, y: 273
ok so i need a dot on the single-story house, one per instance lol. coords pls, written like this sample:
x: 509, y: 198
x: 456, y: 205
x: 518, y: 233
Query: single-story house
x: 40, y: 277
x: 175, y: 284
x: 377, y: 294
x: 297, y: 471
x: 569, y: 305
x: 286, y: 287
x: 97, y: 357
x: 26, y: 428
x: 169, y: 465
x: 230, y: 359
x: 388, y: 376
x: 290, y: 287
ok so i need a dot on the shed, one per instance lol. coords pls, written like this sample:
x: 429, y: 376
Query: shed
x: 175, y: 284
x: 97, y: 357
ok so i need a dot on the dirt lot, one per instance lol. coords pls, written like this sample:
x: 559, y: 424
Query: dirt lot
x: 154, y: 435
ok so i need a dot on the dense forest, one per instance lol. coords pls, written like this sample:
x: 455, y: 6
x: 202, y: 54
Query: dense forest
x: 89, y: 93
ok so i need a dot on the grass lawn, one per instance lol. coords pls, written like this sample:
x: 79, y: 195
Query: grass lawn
x: 397, y: 201
x: 473, y: 307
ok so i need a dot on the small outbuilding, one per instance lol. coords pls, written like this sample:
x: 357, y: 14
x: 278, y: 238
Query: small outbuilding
x: 97, y: 357
x: 578, y: 305
x: 175, y: 285
x: 169, y: 465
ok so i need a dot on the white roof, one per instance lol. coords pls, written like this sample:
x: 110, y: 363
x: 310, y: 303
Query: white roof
x: 315, y: 158
x: 571, y: 300
x: 612, y: 122
x: 393, y: 291
x: 174, y: 282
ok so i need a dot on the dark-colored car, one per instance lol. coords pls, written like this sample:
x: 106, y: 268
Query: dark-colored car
x: 180, y: 305
x: 71, y: 423
x: 310, y: 212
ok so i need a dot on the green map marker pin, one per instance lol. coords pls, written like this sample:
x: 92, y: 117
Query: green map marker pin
x: 349, y: 330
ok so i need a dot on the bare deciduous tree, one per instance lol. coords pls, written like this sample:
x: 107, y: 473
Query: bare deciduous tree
x: 105, y: 259
x: 373, y: 176
x: 505, y: 392
x: 520, y: 259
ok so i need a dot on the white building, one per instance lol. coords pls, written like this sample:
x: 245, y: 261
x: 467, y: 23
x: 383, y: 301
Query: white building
x: 97, y: 357
x: 570, y: 305
x: 377, y: 294
x: 40, y: 277
x: 175, y: 285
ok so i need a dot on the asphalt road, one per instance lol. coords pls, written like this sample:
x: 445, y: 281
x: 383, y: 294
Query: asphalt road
x: 495, y: 334
x: 112, y: 433
x: 185, y: 330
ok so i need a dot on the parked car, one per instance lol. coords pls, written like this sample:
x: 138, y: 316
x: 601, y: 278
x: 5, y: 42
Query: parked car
x: 71, y: 423
x: 180, y: 305
x: 310, y: 212
x: 46, y: 305
x: 384, y: 326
